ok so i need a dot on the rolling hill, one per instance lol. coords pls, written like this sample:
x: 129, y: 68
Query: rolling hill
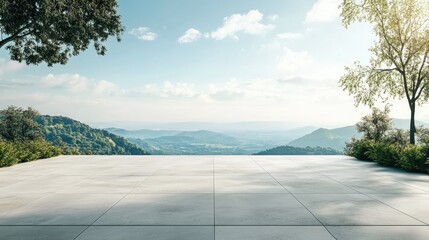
x: 327, y: 138
x: 229, y: 141
x: 78, y: 138
x: 337, y: 137
x: 198, y: 142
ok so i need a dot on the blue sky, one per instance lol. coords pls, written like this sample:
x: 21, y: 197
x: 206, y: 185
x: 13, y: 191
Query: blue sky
x: 212, y: 61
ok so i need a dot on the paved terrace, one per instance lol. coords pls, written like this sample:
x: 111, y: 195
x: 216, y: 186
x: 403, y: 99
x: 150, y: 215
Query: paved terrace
x: 206, y: 197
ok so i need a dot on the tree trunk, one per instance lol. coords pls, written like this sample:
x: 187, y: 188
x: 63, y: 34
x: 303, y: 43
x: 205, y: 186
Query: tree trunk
x: 413, y: 124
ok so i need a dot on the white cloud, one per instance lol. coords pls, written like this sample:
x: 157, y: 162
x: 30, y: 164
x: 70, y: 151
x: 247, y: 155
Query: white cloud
x: 169, y: 89
x: 69, y: 82
x: 301, y: 64
x: 106, y: 87
x: 143, y: 33
x: 7, y: 66
x: 273, y: 17
x: 76, y: 83
x: 230, y: 101
x: 190, y: 35
x: 289, y: 35
x: 323, y: 11
x: 224, y: 92
x: 258, y: 91
x: 249, y: 23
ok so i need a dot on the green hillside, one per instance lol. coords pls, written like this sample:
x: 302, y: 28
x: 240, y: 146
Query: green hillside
x: 80, y: 138
x: 289, y: 150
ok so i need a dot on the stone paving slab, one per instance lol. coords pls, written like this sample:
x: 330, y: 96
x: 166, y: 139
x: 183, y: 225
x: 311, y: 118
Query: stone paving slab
x: 380, y: 232
x: 261, y: 210
x: 353, y: 209
x: 211, y: 197
x: 161, y: 209
x: 273, y: 232
x: 61, y: 209
x: 176, y: 184
x: 148, y: 232
x: 40, y: 232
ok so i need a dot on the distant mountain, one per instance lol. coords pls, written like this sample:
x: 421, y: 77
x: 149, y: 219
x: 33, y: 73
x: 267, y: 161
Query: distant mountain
x: 289, y: 150
x: 327, y: 138
x: 274, y: 138
x: 209, y: 126
x: 239, y: 138
x: 141, y: 133
x: 264, y: 137
x: 228, y: 142
x: 337, y: 137
x: 196, y: 142
x: 405, y: 123
x: 205, y: 137
x: 199, y: 142
x: 80, y: 138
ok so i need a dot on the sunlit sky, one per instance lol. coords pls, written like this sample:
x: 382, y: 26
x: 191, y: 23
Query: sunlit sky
x: 207, y: 61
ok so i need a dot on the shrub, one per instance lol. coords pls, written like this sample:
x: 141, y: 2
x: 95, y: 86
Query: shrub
x: 14, y: 152
x: 8, y: 155
x: 385, y: 154
x: 376, y: 125
x: 33, y: 150
x: 397, y: 137
x: 413, y: 158
x: 423, y: 135
x: 359, y: 149
x: 425, y: 149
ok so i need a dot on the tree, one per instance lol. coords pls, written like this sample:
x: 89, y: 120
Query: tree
x: 52, y: 31
x: 399, y: 65
x: 376, y: 125
x: 17, y: 124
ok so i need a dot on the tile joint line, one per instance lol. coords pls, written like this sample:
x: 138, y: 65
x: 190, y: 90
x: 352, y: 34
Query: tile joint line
x: 293, y: 196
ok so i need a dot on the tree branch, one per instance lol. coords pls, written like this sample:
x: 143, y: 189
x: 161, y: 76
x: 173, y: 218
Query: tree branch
x: 15, y: 35
x: 421, y: 90
x: 390, y: 45
x: 404, y: 78
x: 421, y: 67
x: 386, y: 69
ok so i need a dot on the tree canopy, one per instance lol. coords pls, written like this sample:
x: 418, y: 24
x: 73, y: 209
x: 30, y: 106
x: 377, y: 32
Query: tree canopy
x: 398, y: 66
x: 17, y: 124
x: 52, y: 31
x: 375, y: 125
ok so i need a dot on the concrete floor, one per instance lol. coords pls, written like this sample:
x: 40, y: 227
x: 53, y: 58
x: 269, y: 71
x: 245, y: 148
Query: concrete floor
x: 206, y: 197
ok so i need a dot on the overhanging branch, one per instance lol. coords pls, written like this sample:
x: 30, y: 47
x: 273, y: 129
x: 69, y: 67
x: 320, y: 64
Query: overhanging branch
x: 15, y: 35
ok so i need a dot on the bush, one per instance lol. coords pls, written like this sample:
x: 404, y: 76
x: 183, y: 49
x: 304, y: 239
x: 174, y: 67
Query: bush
x: 397, y: 137
x: 360, y: 149
x: 423, y: 135
x: 8, y: 155
x: 385, y: 154
x: 413, y: 158
x: 33, y: 150
x: 15, y: 152
x: 376, y: 125
x: 425, y: 149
